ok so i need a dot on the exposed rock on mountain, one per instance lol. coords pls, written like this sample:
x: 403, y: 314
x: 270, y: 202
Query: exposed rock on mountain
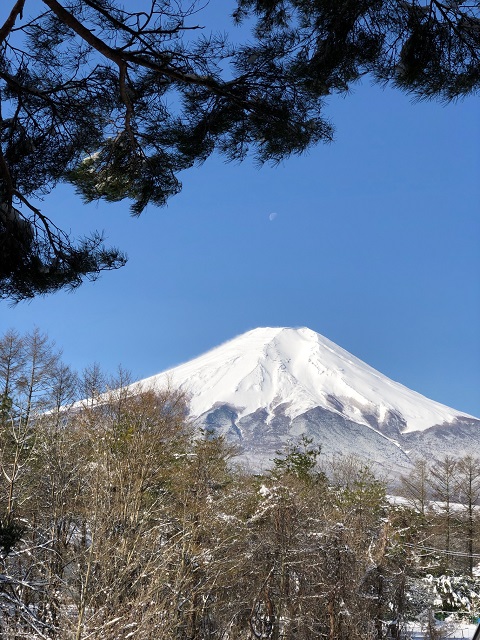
x: 269, y: 386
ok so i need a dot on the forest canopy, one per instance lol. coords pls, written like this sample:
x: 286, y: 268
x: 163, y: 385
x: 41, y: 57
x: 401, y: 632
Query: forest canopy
x: 118, y: 99
x: 120, y: 519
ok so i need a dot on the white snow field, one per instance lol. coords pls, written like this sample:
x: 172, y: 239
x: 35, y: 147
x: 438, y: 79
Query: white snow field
x: 299, y: 369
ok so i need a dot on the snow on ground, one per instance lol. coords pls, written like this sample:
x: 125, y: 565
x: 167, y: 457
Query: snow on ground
x: 453, y: 631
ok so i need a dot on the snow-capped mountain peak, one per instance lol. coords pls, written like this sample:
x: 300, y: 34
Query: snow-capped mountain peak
x: 295, y: 370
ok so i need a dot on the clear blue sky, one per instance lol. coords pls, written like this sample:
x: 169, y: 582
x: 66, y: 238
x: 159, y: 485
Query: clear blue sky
x: 375, y: 244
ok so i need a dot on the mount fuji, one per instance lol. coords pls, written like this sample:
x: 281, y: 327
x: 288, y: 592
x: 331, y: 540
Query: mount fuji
x: 270, y: 386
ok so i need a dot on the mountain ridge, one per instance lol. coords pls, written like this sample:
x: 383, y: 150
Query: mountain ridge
x: 321, y: 378
x: 272, y: 384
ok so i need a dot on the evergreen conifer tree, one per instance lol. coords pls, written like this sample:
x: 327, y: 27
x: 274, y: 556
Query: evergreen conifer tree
x: 118, y: 99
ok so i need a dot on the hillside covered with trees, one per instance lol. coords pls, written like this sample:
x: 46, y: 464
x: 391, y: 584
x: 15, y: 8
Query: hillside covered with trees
x: 118, y: 521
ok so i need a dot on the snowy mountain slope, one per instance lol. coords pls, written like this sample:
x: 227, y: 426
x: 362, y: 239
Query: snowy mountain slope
x: 271, y: 385
x: 299, y: 369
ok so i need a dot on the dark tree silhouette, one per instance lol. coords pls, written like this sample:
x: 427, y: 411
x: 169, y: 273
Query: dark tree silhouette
x: 118, y: 99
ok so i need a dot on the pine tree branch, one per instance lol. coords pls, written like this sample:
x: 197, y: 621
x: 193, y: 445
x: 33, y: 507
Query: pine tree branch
x: 9, y: 23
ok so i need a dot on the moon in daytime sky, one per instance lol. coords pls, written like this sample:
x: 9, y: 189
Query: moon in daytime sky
x: 272, y: 216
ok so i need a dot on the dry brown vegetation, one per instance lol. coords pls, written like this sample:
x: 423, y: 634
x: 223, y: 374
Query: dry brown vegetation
x: 117, y: 521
